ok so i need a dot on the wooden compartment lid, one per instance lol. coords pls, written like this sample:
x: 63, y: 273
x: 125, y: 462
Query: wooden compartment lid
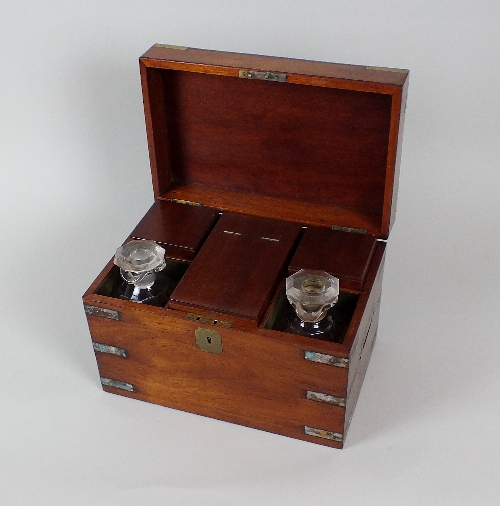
x: 311, y: 142
x: 238, y: 267
x: 180, y: 229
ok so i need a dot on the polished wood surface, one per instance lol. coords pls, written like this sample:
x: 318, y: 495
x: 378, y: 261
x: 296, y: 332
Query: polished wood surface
x: 179, y: 228
x: 284, y: 162
x: 330, y: 141
x: 346, y: 255
x: 162, y: 56
x: 255, y: 381
x: 313, y: 144
x: 260, y: 378
x: 305, y: 213
x: 238, y: 267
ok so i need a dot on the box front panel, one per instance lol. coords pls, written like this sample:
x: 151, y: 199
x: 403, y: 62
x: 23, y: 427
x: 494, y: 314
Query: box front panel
x: 256, y: 380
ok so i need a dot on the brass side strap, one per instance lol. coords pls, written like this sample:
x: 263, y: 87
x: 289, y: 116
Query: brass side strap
x: 121, y: 385
x: 102, y: 312
x: 321, y: 358
x: 326, y: 398
x: 324, y: 434
x: 111, y: 350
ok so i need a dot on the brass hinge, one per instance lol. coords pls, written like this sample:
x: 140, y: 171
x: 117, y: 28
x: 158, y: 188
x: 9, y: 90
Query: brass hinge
x: 349, y: 229
x: 262, y: 76
x: 188, y: 202
x: 388, y: 69
x: 170, y: 46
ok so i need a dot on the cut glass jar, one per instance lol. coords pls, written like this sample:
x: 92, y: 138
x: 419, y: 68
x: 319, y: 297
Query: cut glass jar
x: 312, y: 293
x: 139, y: 262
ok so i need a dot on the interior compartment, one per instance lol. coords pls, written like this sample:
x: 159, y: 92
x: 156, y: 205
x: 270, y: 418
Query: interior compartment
x: 282, y: 313
x: 345, y: 255
x: 238, y: 267
x: 180, y: 229
x: 166, y: 280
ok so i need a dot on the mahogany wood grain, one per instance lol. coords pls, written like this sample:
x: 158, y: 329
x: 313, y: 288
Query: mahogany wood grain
x: 180, y: 228
x: 156, y: 125
x: 342, y: 254
x: 258, y: 380
x: 159, y: 54
x: 367, y: 299
x: 328, y: 136
x: 395, y: 149
x: 305, y: 213
x: 364, y: 333
x: 255, y: 381
x: 320, y: 149
x: 238, y: 267
x: 306, y: 143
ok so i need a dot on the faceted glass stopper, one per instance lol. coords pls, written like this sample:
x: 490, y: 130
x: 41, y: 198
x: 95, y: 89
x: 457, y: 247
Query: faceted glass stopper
x: 312, y: 294
x: 139, y: 261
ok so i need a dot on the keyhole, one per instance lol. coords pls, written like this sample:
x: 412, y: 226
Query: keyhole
x: 208, y: 340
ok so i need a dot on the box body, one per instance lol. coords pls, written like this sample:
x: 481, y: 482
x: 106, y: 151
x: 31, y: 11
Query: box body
x: 261, y: 166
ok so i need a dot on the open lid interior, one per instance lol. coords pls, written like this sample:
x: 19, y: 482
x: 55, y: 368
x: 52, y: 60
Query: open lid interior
x: 309, y: 142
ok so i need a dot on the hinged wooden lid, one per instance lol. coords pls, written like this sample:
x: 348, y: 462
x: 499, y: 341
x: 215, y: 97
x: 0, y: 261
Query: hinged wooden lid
x: 311, y: 142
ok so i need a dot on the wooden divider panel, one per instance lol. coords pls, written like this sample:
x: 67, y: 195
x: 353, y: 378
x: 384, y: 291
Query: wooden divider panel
x: 238, y: 267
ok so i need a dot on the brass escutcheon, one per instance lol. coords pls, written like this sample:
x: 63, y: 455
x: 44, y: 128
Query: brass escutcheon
x: 208, y: 340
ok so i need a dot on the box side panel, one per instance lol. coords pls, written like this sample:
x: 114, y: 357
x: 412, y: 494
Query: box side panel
x: 364, y: 342
x: 363, y: 359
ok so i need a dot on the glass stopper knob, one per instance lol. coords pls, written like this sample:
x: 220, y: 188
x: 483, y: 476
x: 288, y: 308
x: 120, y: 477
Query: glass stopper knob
x: 312, y: 293
x: 139, y: 261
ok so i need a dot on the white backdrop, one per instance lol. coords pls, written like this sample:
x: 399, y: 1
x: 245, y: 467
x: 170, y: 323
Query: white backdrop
x: 75, y: 181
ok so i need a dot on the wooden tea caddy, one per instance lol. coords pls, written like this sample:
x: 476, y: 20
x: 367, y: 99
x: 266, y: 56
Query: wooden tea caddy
x: 261, y: 166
